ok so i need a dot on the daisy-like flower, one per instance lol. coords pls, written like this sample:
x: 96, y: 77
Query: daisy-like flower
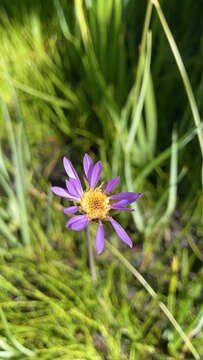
x: 95, y: 203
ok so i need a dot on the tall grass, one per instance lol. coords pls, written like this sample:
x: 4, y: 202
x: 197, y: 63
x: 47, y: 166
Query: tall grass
x: 87, y: 80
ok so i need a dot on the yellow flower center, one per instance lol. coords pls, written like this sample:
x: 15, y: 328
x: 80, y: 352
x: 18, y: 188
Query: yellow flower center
x: 95, y: 204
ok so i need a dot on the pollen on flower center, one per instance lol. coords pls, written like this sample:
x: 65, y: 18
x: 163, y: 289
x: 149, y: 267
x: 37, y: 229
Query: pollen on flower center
x: 95, y: 204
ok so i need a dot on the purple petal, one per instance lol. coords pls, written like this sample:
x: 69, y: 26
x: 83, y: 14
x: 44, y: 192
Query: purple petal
x: 70, y: 169
x: 121, y: 232
x: 62, y: 192
x: 99, y: 239
x: 77, y: 184
x: 121, y: 203
x: 71, y: 210
x: 112, y: 184
x: 119, y: 207
x: 96, y: 173
x: 72, y: 186
x: 88, y: 166
x: 77, y: 222
x: 71, y: 172
x: 129, y: 197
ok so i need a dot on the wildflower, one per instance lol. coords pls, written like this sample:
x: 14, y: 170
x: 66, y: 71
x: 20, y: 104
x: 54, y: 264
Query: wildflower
x: 94, y: 203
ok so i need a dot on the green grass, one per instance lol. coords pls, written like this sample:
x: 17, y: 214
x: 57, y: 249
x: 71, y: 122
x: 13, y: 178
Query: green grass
x: 52, y: 309
x: 110, y: 80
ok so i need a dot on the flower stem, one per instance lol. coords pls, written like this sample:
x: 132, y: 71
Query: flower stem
x: 91, y: 257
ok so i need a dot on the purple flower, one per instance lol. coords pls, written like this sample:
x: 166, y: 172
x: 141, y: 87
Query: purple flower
x: 94, y: 203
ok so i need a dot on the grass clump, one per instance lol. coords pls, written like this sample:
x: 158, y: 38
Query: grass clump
x: 52, y: 309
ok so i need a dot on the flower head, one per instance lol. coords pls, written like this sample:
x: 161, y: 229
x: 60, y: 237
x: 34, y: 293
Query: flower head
x: 95, y: 203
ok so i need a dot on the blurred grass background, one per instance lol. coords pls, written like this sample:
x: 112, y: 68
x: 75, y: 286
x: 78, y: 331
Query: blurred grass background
x: 100, y: 77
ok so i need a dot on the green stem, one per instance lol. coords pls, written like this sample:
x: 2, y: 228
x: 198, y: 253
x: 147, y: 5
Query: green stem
x: 91, y: 257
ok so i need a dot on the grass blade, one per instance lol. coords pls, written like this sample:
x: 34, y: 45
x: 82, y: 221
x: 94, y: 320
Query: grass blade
x: 140, y: 101
x: 151, y: 118
x: 182, y: 142
x: 19, y: 176
x: 182, y: 70
x: 173, y: 180
x: 17, y: 345
x: 7, y: 233
x: 153, y: 294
